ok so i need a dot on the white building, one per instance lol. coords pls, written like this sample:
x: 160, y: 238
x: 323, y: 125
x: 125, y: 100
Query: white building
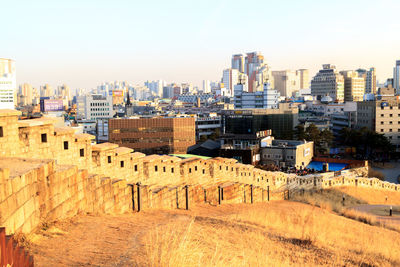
x: 396, y: 77
x: 8, y: 84
x: 206, y: 86
x: 230, y: 78
x: 268, y: 98
x: 93, y: 107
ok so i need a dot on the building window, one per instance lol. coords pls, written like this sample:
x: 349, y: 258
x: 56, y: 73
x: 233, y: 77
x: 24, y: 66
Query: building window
x: 65, y: 145
x: 381, y: 130
x: 382, y: 115
x: 44, y: 138
x: 163, y: 168
x: 190, y: 170
x: 391, y: 115
x: 381, y: 122
x: 204, y: 171
x: 195, y: 168
x: 156, y: 168
x: 1, y: 131
x: 172, y: 170
x: 390, y: 130
x: 390, y: 122
x: 122, y: 163
x: 82, y: 152
x: 109, y: 159
x: 135, y: 168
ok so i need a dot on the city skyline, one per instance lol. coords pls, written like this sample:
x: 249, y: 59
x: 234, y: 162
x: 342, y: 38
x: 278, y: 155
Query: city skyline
x: 85, y: 44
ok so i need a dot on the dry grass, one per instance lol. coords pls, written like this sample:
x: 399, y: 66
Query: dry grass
x: 276, y: 234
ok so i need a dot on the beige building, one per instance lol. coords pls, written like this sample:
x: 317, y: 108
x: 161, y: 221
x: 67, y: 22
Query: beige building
x: 382, y: 116
x: 304, y: 78
x: 286, y: 82
x: 354, y: 86
x: 286, y: 153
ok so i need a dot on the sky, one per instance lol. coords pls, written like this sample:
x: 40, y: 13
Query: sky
x: 86, y: 42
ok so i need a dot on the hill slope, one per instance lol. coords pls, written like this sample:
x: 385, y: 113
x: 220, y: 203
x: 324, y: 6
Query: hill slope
x: 265, y: 234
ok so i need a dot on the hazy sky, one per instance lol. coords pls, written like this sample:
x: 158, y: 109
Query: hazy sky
x: 83, y: 43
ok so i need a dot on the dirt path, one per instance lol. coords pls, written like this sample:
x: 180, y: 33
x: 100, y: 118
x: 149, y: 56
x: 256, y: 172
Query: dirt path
x: 97, y: 241
x: 381, y: 212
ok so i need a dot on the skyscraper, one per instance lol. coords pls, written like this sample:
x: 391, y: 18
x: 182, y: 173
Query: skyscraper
x: 328, y: 82
x: 396, y: 77
x: 206, y: 86
x: 354, y: 86
x: 257, y: 71
x: 370, y: 81
x: 25, y: 94
x: 238, y: 62
x: 46, y: 91
x: 8, y: 84
x: 230, y: 78
x: 304, y: 78
x: 286, y: 82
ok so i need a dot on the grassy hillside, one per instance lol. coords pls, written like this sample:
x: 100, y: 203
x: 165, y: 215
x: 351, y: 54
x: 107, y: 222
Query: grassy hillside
x: 279, y: 233
x: 275, y: 234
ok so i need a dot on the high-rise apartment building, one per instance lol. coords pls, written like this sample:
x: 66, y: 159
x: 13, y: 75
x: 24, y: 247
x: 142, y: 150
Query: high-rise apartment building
x: 25, y: 94
x: 257, y: 71
x: 93, y: 107
x: 238, y: 62
x: 46, y: 91
x: 328, y: 82
x: 304, y: 78
x: 206, y: 86
x: 286, y: 82
x: 8, y: 84
x: 230, y: 78
x: 396, y: 77
x: 354, y: 86
x: 370, y: 81
x: 154, y: 135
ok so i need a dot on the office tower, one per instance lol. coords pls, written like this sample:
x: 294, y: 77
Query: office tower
x: 46, y: 91
x: 8, y: 84
x: 238, y: 62
x: 156, y: 87
x: 304, y: 78
x: 206, y: 86
x: 328, y: 82
x: 257, y: 71
x: 370, y: 81
x: 382, y: 116
x: 354, y: 86
x: 154, y: 135
x: 93, y: 107
x: 287, y: 82
x: 25, y: 94
x: 230, y: 78
x: 396, y: 77
x: 268, y: 98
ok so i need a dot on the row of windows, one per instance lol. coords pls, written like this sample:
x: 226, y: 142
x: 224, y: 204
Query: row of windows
x: 277, y: 156
x: 99, y: 104
x: 390, y: 130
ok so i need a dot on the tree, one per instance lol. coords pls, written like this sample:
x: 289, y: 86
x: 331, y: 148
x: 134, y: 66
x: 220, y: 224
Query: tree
x: 313, y: 134
x: 299, y: 132
x: 327, y: 137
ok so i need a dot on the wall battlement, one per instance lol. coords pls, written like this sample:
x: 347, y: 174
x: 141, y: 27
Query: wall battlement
x: 50, y: 173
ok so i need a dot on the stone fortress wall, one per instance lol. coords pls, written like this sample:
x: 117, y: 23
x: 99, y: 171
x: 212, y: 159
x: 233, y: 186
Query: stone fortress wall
x: 49, y: 173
